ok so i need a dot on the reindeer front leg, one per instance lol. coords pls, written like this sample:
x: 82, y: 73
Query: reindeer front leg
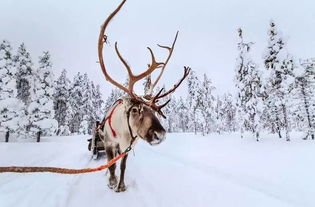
x: 110, y: 152
x: 121, y: 186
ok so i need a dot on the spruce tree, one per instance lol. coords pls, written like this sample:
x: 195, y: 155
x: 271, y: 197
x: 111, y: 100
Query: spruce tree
x: 24, y: 74
x: 280, y: 65
x: 183, y: 115
x: 248, y: 86
x: 41, y: 109
x: 76, y: 101
x: 305, y: 93
x: 207, y: 104
x: 62, y: 106
x: 12, y: 117
x: 193, y: 101
x: 98, y: 102
x: 228, y: 110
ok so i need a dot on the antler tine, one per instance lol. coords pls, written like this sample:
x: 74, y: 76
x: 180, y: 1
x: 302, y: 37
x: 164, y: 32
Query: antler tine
x: 158, y: 108
x: 101, y: 40
x: 153, y: 100
x: 170, y: 49
x: 132, y: 79
x: 154, y: 65
x: 163, y: 105
x: 186, y: 72
x: 123, y: 61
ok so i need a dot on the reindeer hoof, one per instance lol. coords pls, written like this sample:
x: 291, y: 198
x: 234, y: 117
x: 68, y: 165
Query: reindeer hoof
x: 112, y: 182
x: 121, y: 188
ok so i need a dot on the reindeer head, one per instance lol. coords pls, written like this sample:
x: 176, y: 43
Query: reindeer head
x: 144, y: 122
x: 142, y: 110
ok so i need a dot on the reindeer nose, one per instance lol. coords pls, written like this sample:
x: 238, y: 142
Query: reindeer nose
x: 158, y: 137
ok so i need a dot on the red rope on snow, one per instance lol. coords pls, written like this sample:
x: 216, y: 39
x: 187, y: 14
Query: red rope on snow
x: 16, y: 169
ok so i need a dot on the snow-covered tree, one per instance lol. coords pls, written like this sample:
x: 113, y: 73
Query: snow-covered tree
x: 228, y: 111
x: 76, y: 101
x: 12, y: 116
x: 207, y: 104
x: 305, y: 97
x: 218, y: 114
x: 280, y: 65
x: 62, y: 106
x: 194, y: 101
x: 24, y: 74
x: 170, y: 123
x: 249, y: 85
x: 87, y: 108
x: 41, y: 109
x: 97, y: 103
x: 85, y: 125
x: 183, y: 117
x: 86, y: 102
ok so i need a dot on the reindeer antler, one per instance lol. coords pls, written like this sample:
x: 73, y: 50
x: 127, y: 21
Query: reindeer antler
x: 152, y: 101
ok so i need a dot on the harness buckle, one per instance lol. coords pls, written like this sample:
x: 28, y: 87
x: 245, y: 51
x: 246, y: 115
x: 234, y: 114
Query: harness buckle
x: 128, y: 149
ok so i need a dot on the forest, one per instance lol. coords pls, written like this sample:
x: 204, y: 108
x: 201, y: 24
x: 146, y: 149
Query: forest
x: 277, y: 96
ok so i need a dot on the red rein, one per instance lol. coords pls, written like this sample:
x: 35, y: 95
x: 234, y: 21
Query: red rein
x: 109, y: 118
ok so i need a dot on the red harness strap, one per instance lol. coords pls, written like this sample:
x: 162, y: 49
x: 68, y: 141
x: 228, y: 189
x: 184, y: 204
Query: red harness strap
x: 109, y: 118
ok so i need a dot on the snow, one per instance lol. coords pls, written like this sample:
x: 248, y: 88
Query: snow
x: 185, y: 170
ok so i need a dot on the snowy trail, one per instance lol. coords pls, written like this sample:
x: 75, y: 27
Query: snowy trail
x: 186, y: 170
x: 245, y: 181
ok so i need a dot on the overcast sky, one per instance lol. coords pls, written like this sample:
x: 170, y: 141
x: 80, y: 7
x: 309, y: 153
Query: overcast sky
x: 207, y: 39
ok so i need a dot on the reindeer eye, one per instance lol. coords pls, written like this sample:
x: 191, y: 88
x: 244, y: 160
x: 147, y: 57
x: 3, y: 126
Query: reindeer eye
x: 134, y: 110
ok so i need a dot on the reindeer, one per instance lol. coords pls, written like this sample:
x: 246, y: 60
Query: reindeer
x: 132, y: 117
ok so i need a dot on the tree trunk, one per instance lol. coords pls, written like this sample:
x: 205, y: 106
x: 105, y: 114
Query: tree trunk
x: 257, y: 136
x: 278, y: 124
x: 286, y: 122
x: 38, y: 136
x: 7, y: 135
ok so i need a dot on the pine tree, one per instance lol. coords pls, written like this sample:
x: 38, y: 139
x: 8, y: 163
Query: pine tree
x: 305, y: 93
x: 246, y: 78
x: 228, y: 110
x: 87, y: 104
x: 76, y: 101
x: 193, y: 101
x: 218, y: 114
x: 207, y: 104
x: 183, y: 115
x: 62, y: 106
x: 97, y: 103
x: 11, y: 108
x: 281, y: 66
x: 85, y: 125
x: 24, y: 74
x: 41, y: 108
x: 170, y: 113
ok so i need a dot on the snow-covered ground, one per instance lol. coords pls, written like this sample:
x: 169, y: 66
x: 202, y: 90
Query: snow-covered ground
x: 185, y: 170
